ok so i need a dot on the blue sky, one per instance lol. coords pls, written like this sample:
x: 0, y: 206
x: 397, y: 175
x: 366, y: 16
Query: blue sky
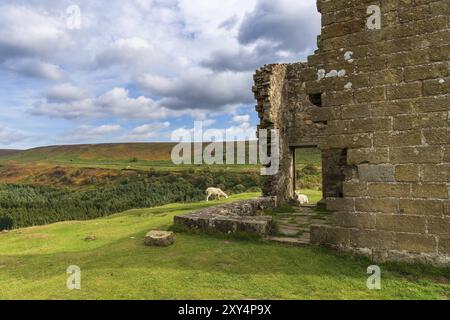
x: 138, y: 70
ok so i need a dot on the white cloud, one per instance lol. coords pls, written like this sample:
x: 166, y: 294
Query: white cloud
x: 35, y: 69
x: 241, y: 118
x: 242, y: 132
x: 147, y: 131
x: 85, y: 132
x: 208, y: 122
x: 291, y: 25
x: 200, y: 89
x: 273, y: 31
x: 115, y: 102
x: 9, y: 136
x: 133, y: 51
x: 25, y: 31
x: 65, y: 92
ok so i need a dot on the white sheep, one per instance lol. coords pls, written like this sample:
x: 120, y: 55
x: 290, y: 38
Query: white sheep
x: 215, y: 192
x: 301, y: 198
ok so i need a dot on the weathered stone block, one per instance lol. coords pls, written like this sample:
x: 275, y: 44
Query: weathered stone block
x: 370, y: 95
x: 407, y: 173
x: 397, y: 138
x: 324, y: 114
x: 432, y: 104
x: 382, y: 190
x: 341, y: 204
x: 437, y: 136
x: 368, y: 156
x: 357, y: 111
x: 416, y: 243
x: 387, y: 76
x: 409, y: 58
x: 404, y: 91
x: 441, y: 53
x: 371, y: 64
x: 345, y: 141
x: 416, y: 155
x: 401, y: 223
x: 159, y: 238
x: 434, y: 120
x: 372, y: 239
x: 424, y: 120
x: 324, y: 235
x: 389, y: 108
x: 240, y: 216
x: 446, y: 154
x: 421, y: 207
x: 419, y: 13
x: 447, y: 207
x: 436, y: 87
x: 424, y: 72
x: 430, y: 190
x: 439, y: 226
x: 354, y: 189
x: 376, y: 173
x: 354, y: 220
x: 444, y: 246
x: 368, y: 125
x: 386, y: 205
x: 406, y: 122
x: 436, y: 173
x: 336, y: 98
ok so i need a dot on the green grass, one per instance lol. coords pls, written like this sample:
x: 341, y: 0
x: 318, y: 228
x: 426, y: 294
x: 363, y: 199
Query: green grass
x: 117, y: 265
x: 314, y: 196
x: 305, y: 156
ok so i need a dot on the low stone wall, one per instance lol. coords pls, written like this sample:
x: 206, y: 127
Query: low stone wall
x: 241, y: 216
x: 378, y: 246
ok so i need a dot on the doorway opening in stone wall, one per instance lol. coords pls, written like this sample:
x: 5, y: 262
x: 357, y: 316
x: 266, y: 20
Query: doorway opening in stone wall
x: 307, y: 173
x: 293, y: 225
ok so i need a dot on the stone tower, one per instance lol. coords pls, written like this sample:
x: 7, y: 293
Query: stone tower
x: 375, y: 99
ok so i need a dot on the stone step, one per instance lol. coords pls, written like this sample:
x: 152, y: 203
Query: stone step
x: 306, y: 207
x: 289, y: 241
x: 303, y: 214
x: 288, y: 229
x: 261, y: 225
x: 288, y: 233
x: 283, y: 224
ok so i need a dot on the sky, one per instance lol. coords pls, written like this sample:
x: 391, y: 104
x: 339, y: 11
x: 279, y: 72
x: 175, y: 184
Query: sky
x: 104, y: 71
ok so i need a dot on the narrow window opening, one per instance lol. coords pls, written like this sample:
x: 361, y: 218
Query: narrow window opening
x: 316, y: 99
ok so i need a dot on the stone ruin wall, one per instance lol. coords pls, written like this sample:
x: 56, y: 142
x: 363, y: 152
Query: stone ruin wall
x: 385, y: 109
x: 284, y: 105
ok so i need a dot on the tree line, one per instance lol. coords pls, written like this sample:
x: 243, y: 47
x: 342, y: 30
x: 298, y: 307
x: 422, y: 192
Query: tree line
x: 30, y: 205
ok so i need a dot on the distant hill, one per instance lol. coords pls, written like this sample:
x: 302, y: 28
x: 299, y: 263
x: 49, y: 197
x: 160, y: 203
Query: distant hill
x: 118, y: 156
x: 92, y: 152
x: 8, y: 152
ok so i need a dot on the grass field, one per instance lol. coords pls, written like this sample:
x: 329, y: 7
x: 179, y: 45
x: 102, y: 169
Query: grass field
x: 33, y: 265
x: 314, y: 196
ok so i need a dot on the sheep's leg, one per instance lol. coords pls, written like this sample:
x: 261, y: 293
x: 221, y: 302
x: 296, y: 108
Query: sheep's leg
x: 207, y: 197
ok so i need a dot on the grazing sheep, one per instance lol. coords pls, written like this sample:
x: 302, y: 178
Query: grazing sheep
x: 215, y: 192
x: 301, y: 198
